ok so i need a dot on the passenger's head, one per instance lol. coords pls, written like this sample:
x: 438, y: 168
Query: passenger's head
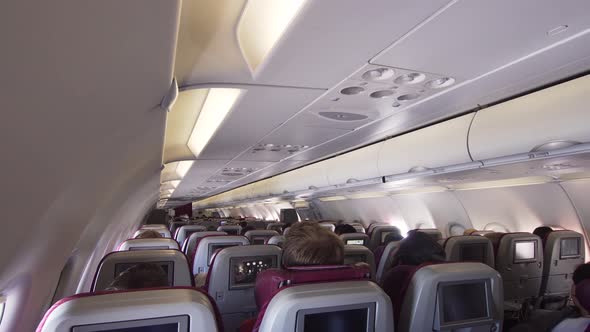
x: 581, y: 273
x: 469, y: 231
x: 582, y: 297
x: 418, y: 248
x: 243, y: 224
x: 246, y: 229
x: 344, y: 229
x: 392, y: 237
x: 542, y: 231
x: 149, y: 234
x: 143, y: 275
x: 308, y: 243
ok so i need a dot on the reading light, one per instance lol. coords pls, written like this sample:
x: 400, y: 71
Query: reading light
x: 332, y: 198
x: 217, y: 106
x: 262, y: 25
x: 367, y: 195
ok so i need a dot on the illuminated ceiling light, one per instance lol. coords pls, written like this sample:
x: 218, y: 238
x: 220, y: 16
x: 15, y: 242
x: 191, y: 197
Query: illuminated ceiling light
x: 262, y: 25
x: 367, y: 195
x: 332, y: 198
x: 169, y: 185
x: 217, y: 106
x: 183, y: 167
x: 419, y: 190
x: 525, y: 181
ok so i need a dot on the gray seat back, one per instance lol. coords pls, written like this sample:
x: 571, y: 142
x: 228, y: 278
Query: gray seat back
x: 386, y: 261
x: 563, y: 252
x: 231, y: 280
x: 379, y: 233
x: 360, y: 239
x: 164, y: 232
x: 436, y: 300
x: 277, y: 240
x: 359, y: 254
x: 185, y: 231
x: 173, y: 262
x: 276, y: 226
x: 470, y: 248
x: 519, y: 259
x: 260, y: 236
x: 147, y: 244
x: 208, y: 245
x: 230, y: 229
x: 189, y: 244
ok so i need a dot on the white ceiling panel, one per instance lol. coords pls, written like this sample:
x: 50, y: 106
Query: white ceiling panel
x: 260, y: 110
x: 472, y: 37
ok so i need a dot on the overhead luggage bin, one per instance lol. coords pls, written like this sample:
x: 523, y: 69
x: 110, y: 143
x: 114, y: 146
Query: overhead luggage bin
x: 551, y: 118
x: 421, y: 149
x: 303, y: 178
x: 354, y: 166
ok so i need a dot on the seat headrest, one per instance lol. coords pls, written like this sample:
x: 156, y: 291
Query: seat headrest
x: 260, y: 236
x: 230, y: 229
x: 469, y: 248
x: 185, y: 231
x: 208, y: 245
x: 144, y: 244
x: 277, y: 240
x: 190, y: 243
x: 174, y: 263
x: 185, y: 308
x: 270, y: 282
x: 164, y: 232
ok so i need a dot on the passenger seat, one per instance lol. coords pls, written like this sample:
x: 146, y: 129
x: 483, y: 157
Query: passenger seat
x: 563, y: 252
x: 470, y: 249
x: 464, y: 297
x: 519, y: 259
x: 321, y: 298
x: 231, y: 280
x: 168, y: 309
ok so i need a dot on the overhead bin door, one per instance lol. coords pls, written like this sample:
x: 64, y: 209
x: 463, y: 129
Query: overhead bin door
x: 303, y: 178
x: 360, y: 164
x: 440, y: 145
x: 559, y: 113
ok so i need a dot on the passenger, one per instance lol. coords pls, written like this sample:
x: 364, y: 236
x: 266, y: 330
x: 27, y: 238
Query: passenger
x: 568, y: 318
x: 469, y: 231
x: 394, y: 236
x: 581, y: 297
x: 149, y: 234
x: 246, y: 229
x: 308, y: 243
x: 143, y: 275
x: 416, y: 249
x: 243, y: 224
x: 542, y: 232
x: 344, y: 229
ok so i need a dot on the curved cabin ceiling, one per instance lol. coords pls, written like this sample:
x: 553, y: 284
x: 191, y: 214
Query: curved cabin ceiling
x: 343, y: 74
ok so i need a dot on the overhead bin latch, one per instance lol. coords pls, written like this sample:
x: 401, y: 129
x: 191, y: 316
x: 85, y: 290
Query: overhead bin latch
x: 170, y: 98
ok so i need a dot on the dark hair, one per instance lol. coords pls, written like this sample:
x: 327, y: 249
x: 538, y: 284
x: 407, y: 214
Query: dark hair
x: 149, y: 234
x: 392, y: 237
x: 418, y: 248
x: 542, y: 231
x: 308, y: 243
x: 581, y: 273
x: 344, y: 229
x: 143, y: 275
x: 243, y: 224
